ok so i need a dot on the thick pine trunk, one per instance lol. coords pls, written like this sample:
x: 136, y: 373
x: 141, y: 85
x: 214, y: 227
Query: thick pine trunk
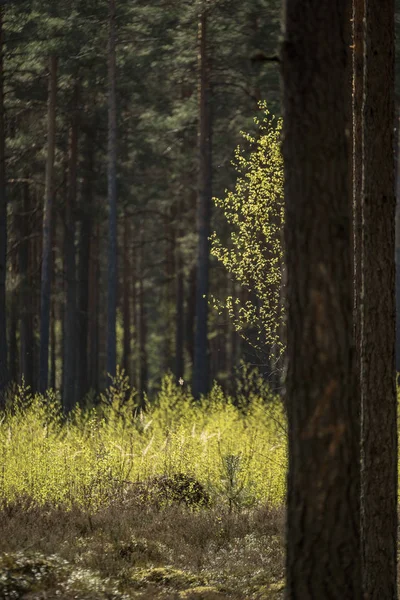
x: 47, y: 218
x: 3, y: 227
x: 323, y: 504
x: 356, y: 181
x: 70, y: 326
x: 112, y: 197
x: 379, y: 402
x: 201, y: 378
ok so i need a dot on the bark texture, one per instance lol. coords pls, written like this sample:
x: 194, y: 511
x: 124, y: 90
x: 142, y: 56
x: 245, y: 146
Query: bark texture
x: 323, y: 507
x: 112, y: 197
x: 201, y: 359
x: 26, y: 334
x: 85, y: 235
x: 70, y: 339
x: 45, y: 291
x: 379, y: 403
x: 3, y: 227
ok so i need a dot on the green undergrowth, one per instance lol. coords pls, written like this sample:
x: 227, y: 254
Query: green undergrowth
x: 235, y: 452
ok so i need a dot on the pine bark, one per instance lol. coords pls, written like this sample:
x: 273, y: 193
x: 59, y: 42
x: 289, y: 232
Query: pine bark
x: 126, y: 298
x: 397, y: 227
x: 94, y: 310
x: 378, y: 331
x: 143, y: 357
x: 323, y: 504
x: 47, y: 218
x: 25, y: 292
x: 3, y: 227
x: 112, y: 197
x: 70, y: 339
x: 201, y: 378
x: 85, y: 235
x: 180, y: 315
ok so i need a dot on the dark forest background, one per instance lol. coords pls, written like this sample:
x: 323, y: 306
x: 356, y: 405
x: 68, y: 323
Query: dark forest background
x: 118, y: 124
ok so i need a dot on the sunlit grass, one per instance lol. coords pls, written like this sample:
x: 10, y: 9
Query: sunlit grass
x: 238, y: 453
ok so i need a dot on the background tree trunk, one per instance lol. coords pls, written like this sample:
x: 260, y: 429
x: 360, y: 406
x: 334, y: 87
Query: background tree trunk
x: 201, y: 378
x: 126, y: 298
x: 3, y: 227
x: 25, y: 290
x: 379, y: 402
x: 47, y: 215
x: 398, y: 249
x: 70, y: 339
x: 112, y: 197
x: 323, y: 506
x: 180, y: 315
x: 85, y: 235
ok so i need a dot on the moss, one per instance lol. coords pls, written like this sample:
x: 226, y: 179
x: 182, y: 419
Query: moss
x: 23, y: 576
x: 202, y: 593
x: 165, y: 577
x: 20, y: 574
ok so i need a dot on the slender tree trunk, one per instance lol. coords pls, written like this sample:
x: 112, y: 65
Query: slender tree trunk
x: 135, y: 317
x: 112, y: 197
x: 143, y: 359
x: 201, y: 379
x: 70, y: 339
x: 3, y: 227
x: 93, y: 301
x: 53, y: 345
x: 191, y: 314
x: 13, y: 341
x: 398, y: 252
x: 47, y: 214
x: 180, y: 316
x: 85, y: 234
x: 379, y: 402
x: 126, y: 298
x: 25, y: 290
x: 323, y: 503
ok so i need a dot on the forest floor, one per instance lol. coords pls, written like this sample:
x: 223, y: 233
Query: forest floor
x: 126, y: 552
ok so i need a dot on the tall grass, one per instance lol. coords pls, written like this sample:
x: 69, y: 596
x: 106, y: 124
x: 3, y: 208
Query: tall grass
x: 237, y: 451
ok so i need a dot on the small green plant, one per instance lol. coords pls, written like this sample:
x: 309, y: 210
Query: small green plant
x: 253, y: 254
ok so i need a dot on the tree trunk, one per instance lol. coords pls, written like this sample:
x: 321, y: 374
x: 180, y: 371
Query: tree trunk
x: 143, y: 362
x: 70, y: 339
x: 323, y: 512
x: 112, y: 197
x: 180, y: 316
x: 3, y: 227
x: 191, y: 314
x: 85, y: 234
x: 201, y: 379
x: 47, y: 215
x: 126, y: 298
x: 93, y: 301
x: 357, y: 167
x: 53, y: 345
x: 25, y: 291
x: 379, y: 402
x: 398, y: 251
